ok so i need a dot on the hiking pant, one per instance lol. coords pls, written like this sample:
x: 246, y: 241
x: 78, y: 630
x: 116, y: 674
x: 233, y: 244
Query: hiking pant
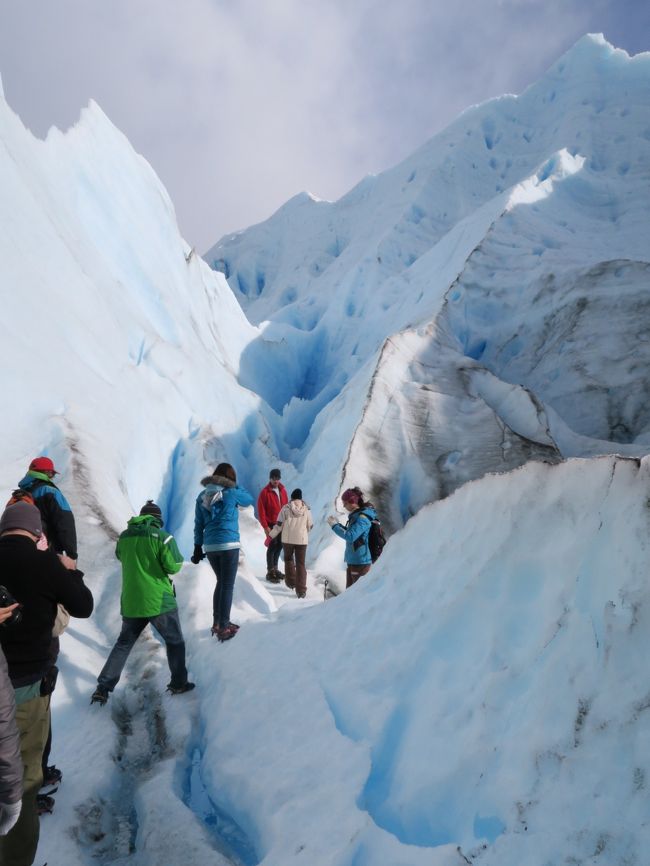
x: 224, y: 564
x: 294, y: 566
x: 50, y: 677
x: 353, y: 573
x: 273, y: 552
x: 18, y: 847
x: 168, y: 626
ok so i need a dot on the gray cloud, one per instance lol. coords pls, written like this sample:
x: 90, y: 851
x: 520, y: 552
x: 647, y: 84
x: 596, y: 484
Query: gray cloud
x: 240, y: 105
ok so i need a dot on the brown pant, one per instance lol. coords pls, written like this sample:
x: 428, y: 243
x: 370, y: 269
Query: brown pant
x: 353, y: 573
x: 295, y: 571
x: 18, y: 847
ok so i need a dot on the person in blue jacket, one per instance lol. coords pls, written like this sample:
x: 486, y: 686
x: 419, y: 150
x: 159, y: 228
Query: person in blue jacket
x: 355, y: 533
x: 216, y: 529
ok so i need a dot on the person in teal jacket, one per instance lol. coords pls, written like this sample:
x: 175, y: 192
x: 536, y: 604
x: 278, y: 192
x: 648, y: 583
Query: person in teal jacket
x: 148, y: 555
x: 356, y: 531
x: 216, y: 528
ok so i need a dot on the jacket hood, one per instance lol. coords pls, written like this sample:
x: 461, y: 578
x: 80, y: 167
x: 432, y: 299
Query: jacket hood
x: 218, y: 480
x: 297, y: 507
x: 32, y: 476
x: 141, y: 519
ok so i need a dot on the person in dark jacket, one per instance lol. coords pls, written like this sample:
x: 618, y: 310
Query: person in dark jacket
x: 60, y: 534
x: 216, y: 528
x: 148, y: 556
x: 355, y: 533
x: 11, y: 765
x: 56, y: 514
x: 271, y: 499
x: 39, y: 580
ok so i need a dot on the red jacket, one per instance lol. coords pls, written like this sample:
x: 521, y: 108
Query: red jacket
x: 268, y: 504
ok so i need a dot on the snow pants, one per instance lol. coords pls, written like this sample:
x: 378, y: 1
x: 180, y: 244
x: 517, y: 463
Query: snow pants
x: 18, y: 847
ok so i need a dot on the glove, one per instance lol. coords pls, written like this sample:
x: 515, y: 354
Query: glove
x: 198, y: 554
x: 9, y: 814
x: 332, y: 520
x: 267, y: 541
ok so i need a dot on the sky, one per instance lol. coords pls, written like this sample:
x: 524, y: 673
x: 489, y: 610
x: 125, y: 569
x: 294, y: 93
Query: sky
x: 240, y: 104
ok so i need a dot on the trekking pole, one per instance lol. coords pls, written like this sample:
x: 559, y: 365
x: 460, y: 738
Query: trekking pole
x: 325, y: 589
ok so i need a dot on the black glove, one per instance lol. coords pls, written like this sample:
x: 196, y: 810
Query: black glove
x: 198, y: 554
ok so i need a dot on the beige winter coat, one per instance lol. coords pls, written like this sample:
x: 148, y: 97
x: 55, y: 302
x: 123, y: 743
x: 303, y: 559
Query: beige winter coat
x: 294, y: 521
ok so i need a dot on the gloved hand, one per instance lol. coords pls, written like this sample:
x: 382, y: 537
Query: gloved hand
x: 9, y: 814
x: 332, y: 520
x: 198, y: 554
x: 267, y: 541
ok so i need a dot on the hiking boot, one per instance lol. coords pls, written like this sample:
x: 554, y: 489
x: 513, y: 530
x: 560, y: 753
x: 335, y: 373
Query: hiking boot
x: 51, y: 776
x: 214, y: 631
x: 289, y: 583
x: 301, y: 594
x: 279, y: 574
x: 99, y: 696
x: 44, y: 804
x: 180, y: 690
x: 272, y: 576
x: 226, y: 633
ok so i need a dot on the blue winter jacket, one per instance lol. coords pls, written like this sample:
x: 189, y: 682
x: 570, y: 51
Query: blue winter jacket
x: 56, y: 514
x: 357, y: 530
x: 216, y: 520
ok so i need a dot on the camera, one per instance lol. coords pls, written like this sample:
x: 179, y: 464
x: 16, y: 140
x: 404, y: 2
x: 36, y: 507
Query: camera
x: 7, y: 599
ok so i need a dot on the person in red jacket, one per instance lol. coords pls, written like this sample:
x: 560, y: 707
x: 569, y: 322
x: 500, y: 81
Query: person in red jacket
x: 269, y: 502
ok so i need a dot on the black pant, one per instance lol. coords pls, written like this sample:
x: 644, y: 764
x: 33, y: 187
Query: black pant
x: 224, y: 564
x: 168, y: 626
x: 273, y: 552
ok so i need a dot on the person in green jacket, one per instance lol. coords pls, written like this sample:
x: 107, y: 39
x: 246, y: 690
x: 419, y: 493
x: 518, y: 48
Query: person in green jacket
x: 148, y: 555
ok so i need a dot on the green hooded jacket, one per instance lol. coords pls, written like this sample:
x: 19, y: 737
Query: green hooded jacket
x: 148, y: 555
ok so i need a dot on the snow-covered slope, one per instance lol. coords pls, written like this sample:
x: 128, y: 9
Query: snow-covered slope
x: 481, y: 698
x: 125, y: 346
x: 506, y: 260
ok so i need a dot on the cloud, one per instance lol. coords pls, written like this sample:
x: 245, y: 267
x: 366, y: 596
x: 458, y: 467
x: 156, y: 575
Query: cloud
x: 240, y: 105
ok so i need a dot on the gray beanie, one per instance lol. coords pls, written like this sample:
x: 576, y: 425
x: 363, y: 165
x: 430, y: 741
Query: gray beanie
x: 21, y: 515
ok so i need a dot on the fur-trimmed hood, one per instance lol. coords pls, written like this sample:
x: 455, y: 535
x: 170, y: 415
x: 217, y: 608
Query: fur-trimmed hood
x: 217, y: 479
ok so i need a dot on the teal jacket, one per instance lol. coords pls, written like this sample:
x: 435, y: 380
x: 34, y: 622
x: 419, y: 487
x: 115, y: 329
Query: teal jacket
x: 148, y: 555
x: 356, y: 534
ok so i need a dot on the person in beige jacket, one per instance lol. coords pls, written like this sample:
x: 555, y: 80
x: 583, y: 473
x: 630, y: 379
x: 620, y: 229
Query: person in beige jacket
x: 294, y: 522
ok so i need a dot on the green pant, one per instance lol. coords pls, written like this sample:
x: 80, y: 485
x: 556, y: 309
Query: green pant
x: 18, y: 847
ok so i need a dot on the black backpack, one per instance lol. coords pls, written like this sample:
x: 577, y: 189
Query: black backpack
x: 376, y: 537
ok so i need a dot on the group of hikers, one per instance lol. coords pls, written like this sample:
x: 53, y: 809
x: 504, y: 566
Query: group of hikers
x: 41, y: 588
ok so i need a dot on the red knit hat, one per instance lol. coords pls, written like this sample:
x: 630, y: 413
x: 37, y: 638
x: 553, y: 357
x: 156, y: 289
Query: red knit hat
x: 43, y: 464
x: 350, y: 495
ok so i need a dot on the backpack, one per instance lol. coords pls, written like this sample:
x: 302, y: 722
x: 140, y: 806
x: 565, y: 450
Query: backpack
x: 376, y: 537
x: 19, y: 495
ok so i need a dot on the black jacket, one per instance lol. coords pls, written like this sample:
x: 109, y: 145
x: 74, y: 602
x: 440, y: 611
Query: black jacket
x: 38, y: 580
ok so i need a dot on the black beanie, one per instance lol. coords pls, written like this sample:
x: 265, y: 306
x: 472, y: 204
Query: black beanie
x: 296, y: 494
x: 152, y: 509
